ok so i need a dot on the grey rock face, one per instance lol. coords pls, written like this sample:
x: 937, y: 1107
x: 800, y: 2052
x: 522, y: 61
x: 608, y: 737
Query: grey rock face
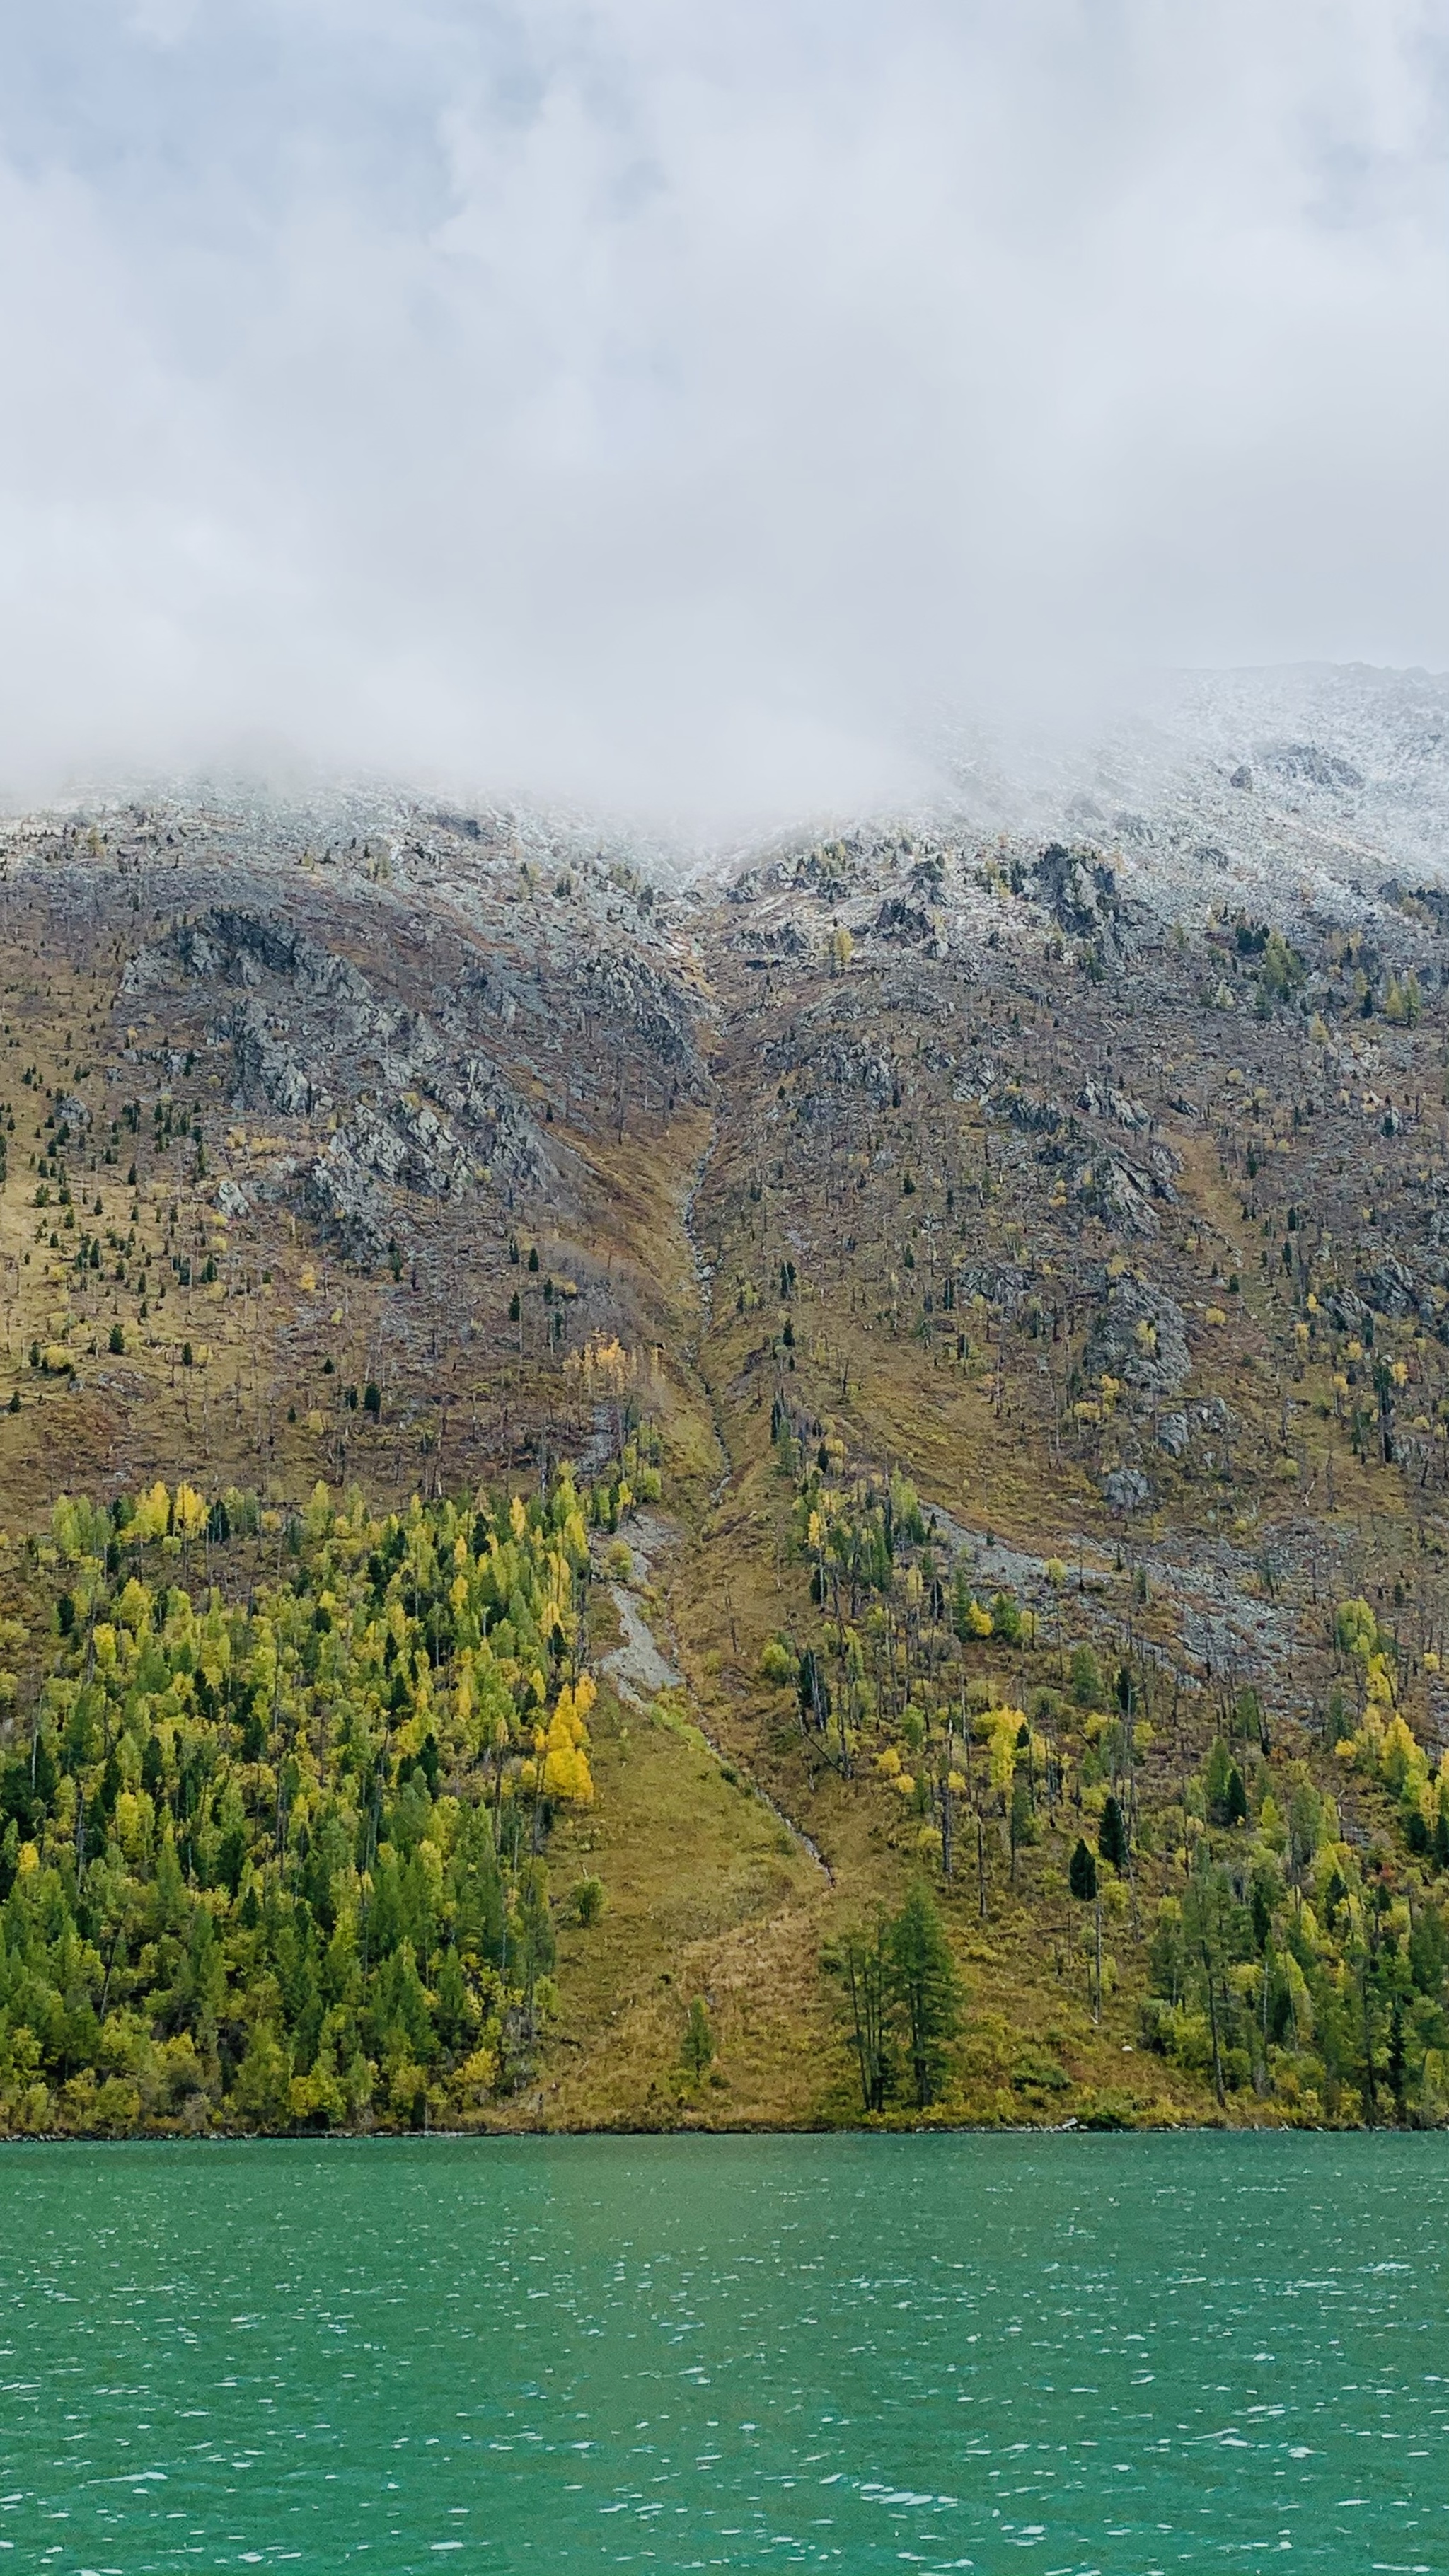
x: 1126, y: 1489
x: 508, y: 1138
x: 1118, y: 1193
x: 1305, y: 761
x: 1172, y: 1434
x: 1117, y: 1105
x: 846, y: 1067
x: 1003, y: 1285
x: 437, y: 1118
x: 789, y: 940
x: 1389, y: 1287
x: 639, y: 994
x: 1347, y: 1311
x: 237, y: 947
x: 1140, y: 1338
x: 1075, y: 889
x: 267, y: 1072
x: 898, y: 919
x: 345, y: 1191
x: 1036, y: 1117
x: 278, y: 1180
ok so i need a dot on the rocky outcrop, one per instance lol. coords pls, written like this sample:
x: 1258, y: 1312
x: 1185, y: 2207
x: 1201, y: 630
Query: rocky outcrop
x: 1139, y: 1338
x: 239, y: 947
x: 1306, y: 764
x: 1034, y: 1117
x: 267, y: 1073
x: 1078, y: 889
x: 1002, y: 1285
x: 1389, y: 1287
x: 419, y: 1112
x: 644, y: 1000
x: 1118, y: 1193
x: 343, y: 1189
x: 1117, y: 1105
x: 898, y: 919
x: 508, y: 1138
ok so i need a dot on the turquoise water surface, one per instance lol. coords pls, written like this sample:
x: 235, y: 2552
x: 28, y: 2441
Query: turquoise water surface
x: 1067, y: 2354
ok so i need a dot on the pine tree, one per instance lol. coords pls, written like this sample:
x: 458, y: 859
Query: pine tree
x: 1216, y: 1777
x: 1112, y: 1835
x: 1398, y: 2056
x: 533, y: 1932
x: 1082, y: 1874
x: 864, y: 1964
x: 927, y: 1991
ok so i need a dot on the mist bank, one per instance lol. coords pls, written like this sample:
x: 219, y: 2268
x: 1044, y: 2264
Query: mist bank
x: 1301, y: 777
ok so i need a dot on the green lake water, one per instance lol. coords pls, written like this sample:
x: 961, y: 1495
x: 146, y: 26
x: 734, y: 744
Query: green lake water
x: 1067, y: 2354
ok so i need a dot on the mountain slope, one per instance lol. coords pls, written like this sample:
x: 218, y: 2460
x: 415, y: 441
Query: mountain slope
x: 1020, y: 1249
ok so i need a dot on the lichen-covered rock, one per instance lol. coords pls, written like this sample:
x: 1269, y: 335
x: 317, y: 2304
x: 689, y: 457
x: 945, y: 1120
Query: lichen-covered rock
x: 278, y: 1181
x: 1346, y: 1310
x: 1126, y: 1489
x: 236, y: 946
x: 508, y: 1141
x: 640, y: 995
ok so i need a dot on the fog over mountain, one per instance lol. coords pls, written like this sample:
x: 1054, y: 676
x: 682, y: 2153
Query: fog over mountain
x: 1313, y: 784
x: 693, y: 413
x: 1316, y: 790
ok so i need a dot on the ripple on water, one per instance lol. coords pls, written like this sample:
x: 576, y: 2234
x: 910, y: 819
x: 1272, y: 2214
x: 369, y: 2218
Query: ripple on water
x: 1128, y: 2354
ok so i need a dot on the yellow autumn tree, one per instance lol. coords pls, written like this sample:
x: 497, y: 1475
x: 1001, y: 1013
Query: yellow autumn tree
x: 1002, y: 1728
x: 152, y: 1516
x: 566, y: 1773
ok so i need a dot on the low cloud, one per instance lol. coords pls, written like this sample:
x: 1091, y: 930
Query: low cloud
x: 690, y: 409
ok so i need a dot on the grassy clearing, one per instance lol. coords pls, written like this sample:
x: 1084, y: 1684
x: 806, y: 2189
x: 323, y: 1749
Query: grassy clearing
x: 707, y: 1894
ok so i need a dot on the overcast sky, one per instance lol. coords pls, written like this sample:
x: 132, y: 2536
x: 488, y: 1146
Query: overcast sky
x: 677, y: 404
